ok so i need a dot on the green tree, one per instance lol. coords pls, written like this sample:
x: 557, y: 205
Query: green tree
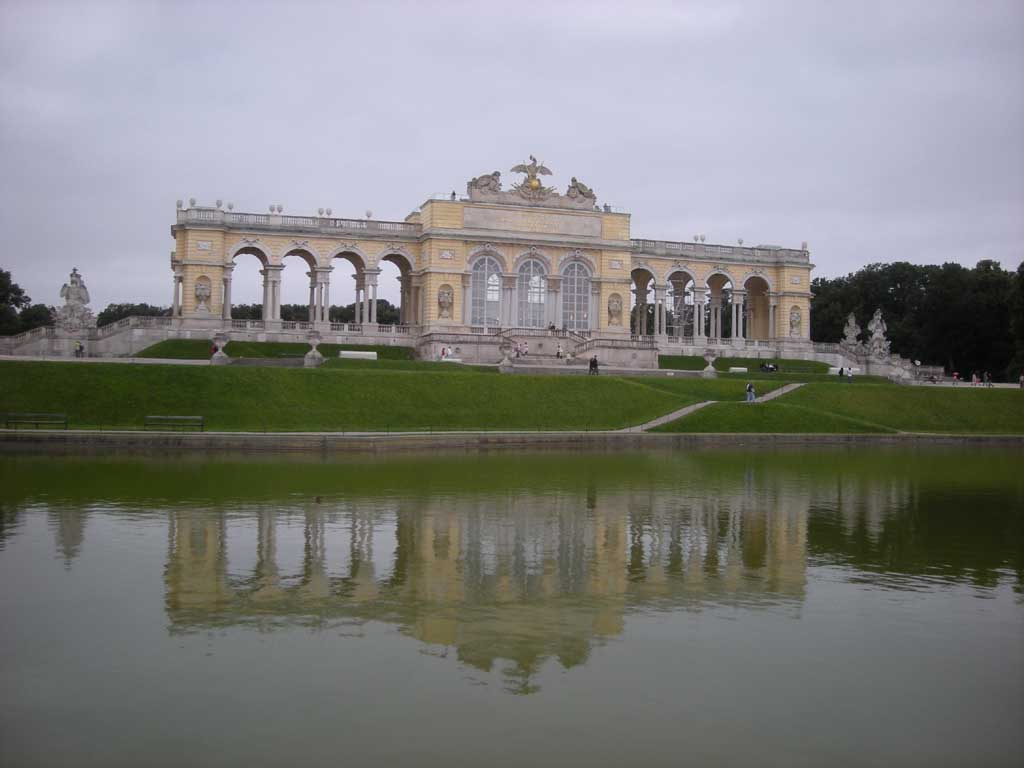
x: 12, y: 299
x: 35, y: 316
x: 114, y: 312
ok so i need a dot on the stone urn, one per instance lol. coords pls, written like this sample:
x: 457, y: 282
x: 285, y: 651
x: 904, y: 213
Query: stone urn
x: 313, y: 358
x: 220, y: 340
x: 709, y: 371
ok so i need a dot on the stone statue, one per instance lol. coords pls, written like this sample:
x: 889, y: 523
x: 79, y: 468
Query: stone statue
x: 878, y: 345
x: 579, y: 189
x: 74, y: 315
x: 615, y: 309
x: 851, y: 332
x: 794, y: 322
x: 489, y: 182
x: 445, y: 299
x: 203, y: 293
x: 531, y: 187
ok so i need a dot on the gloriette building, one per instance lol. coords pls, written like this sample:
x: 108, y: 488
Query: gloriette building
x: 519, y: 261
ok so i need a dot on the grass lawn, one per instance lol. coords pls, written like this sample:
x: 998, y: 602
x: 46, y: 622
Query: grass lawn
x: 404, y: 365
x: 773, y: 416
x: 919, y: 409
x: 178, y: 349
x: 331, y: 399
x: 696, y: 390
x: 752, y: 364
x: 866, y: 407
x: 681, y: 362
x: 199, y: 349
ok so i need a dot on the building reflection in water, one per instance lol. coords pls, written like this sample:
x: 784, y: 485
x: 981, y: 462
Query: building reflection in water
x: 508, y: 582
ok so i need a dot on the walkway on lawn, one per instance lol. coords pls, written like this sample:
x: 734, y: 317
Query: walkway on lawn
x: 784, y: 389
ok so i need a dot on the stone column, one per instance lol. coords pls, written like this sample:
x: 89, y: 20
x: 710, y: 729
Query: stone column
x: 467, y: 300
x: 275, y: 286
x: 554, y: 294
x: 357, y: 308
x: 327, y: 296
x: 714, y: 317
x: 739, y: 313
x: 771, y: 319
x: 226, y: 296
x: 698, y: 315
x: 265, y: 305
x: 176, y: 301
x: 372, y: 296
x: 508, y: 292
x: 659, y: 311
x: 313, y: 303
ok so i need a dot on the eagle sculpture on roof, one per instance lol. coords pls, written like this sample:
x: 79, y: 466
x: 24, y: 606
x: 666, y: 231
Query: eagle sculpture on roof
x: 531, y: 187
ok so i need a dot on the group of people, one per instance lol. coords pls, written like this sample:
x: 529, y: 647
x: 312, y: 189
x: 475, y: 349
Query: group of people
x: 79, y: 349
x: 446, y: 352
x: 847, y: 372
x: 522, y: 348
x: 593, y: 366
x: 769, y: 367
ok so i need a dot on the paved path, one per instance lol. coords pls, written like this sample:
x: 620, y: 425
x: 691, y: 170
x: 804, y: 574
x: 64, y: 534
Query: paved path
x: 697, y: 406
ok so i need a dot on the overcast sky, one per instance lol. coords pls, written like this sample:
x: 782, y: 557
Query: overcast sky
x: 875, y: 131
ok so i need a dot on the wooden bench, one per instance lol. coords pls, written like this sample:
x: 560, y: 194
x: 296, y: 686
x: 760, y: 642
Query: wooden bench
x: 175, y: 422
x: 36, y: 419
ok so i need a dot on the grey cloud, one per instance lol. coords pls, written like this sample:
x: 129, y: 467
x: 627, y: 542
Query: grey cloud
x: 875, y: 131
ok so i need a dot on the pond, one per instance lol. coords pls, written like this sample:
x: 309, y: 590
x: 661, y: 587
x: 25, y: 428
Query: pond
x: 788, y: 607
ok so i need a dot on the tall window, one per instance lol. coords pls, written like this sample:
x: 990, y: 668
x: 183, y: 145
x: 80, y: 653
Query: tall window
x: 531, y: 289
x: 485, y: 293
x: 576, y: 297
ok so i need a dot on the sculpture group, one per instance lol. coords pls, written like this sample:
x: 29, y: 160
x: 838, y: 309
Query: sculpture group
x: 877, y: 345
x: 531, y: 190
x: 75, y: 315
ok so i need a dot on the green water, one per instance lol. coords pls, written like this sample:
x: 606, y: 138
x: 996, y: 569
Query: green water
x: 821, y: 607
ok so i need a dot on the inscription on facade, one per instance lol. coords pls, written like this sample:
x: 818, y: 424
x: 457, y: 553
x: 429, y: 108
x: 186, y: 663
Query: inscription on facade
x: 532, y: 221
x: 204, y: 245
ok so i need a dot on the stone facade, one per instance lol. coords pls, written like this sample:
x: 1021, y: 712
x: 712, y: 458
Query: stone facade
x: 496, y: 262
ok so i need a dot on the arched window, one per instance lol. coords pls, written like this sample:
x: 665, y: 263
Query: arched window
x: 531, y: 290
x: 576, y: 297
x: 485, y: 292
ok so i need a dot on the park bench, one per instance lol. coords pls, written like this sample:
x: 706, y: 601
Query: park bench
x: 36, y: 419
x: 175, y: 422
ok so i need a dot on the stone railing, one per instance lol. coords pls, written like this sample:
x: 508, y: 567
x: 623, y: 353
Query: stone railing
x: 636, y: 342
x: 323, y: 224
x: 826, y: 348
x: 720, y: 252
x: 134, y: 321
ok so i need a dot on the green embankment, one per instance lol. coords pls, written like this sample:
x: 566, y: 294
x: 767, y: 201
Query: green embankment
x: 199, y: 349
x: 298, y: 399
x: 752, y: 364
x: 846, y: 408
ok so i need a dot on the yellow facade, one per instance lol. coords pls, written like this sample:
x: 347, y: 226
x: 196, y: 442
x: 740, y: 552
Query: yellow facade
x: 437, y: 247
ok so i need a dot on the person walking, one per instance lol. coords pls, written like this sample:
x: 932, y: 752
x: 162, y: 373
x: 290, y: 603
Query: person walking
x: 1021, y: 380
x: 988, y: 379
x: 840, y: 373
x: 558, y: 352
x: 750, y: 392
x: 593, y: 366
x: 849, y: 375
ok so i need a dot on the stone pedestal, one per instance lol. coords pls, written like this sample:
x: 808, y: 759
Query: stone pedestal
x: 313, y: 358
x: 709, y: 371
x: 220, y: 340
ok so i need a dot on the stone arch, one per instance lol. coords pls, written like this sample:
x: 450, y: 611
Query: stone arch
x: 642, y: 310
x: 757, y: 306
x: 574, y: 256
x: 758, y: 275
x: 259, y: 250
x: 536, y: 254
x: 680, y: 318
x: 400, y: 257
x: 351, y: 253
x: 719, y: 272
x: 304, y: 252
x: 720, y: 303
x: 486, y: 250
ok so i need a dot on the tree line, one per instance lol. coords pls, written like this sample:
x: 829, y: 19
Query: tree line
x: 963, y: 319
